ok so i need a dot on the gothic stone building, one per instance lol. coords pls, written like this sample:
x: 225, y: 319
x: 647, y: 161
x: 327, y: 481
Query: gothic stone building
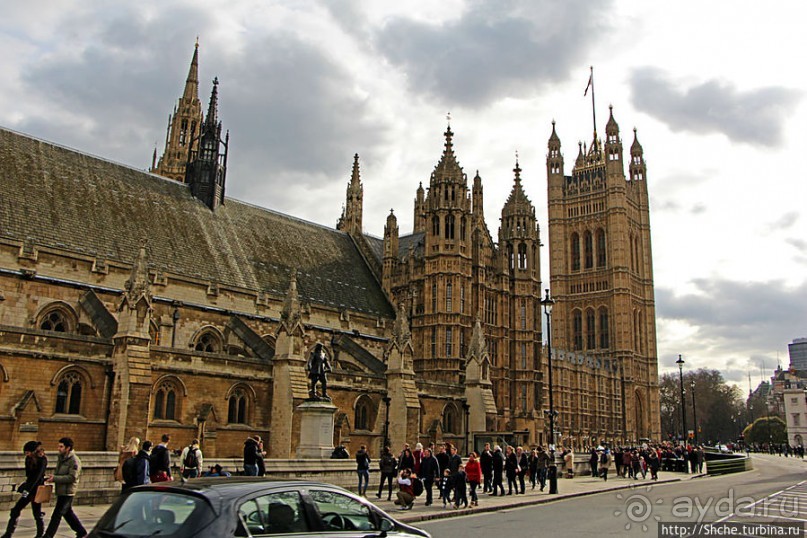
x: 136, y: 303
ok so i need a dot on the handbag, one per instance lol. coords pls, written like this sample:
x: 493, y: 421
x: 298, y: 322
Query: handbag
x: 160, y: 476
x: 43, y: 494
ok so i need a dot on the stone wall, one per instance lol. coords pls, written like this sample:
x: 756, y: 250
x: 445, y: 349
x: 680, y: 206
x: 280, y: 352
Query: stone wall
x: 97, y: 485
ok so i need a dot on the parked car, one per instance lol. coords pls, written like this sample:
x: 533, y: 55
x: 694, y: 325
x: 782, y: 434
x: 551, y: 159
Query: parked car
x: 246, y: 507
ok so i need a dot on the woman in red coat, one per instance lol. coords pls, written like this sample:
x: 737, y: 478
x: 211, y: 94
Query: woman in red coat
x: 473, y: 471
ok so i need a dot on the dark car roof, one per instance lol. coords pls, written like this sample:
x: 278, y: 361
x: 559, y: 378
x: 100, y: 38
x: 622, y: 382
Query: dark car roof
x: 225, y: 488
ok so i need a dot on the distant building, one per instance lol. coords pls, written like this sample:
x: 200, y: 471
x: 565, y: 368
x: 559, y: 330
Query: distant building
x: 795, y: 405
x: 798, y: 354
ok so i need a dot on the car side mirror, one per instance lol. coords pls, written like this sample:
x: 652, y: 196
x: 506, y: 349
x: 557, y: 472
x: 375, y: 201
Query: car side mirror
x: 387, y: 525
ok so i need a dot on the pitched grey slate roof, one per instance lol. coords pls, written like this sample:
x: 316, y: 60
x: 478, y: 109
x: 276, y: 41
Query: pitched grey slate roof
x: 416, y: 240
x: 64, y: 199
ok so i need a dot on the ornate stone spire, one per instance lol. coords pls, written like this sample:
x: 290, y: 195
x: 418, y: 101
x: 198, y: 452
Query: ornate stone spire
x: 292, y: 311
x: 192, y: 82
x: 138, y: 286
x: 478, y: 347
x: 401, y: 334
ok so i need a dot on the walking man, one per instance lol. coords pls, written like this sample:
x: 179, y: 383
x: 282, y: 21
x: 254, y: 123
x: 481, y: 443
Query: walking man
x: 65, y: 477
x: 429, y: 473
x: 35, y: 464
x: 160, y: 462
x: 486, y: 461
x: 191, y: 460
x: 363, y: 469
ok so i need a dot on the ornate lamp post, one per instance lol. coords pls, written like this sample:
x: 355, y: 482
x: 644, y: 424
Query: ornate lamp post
x: 694, y: 413
x: 680, y: 363
x: 386, y: 400
x: 466, y: 408
x: 548, y: 303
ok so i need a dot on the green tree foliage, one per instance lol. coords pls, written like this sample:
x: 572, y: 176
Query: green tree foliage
x: 766, y: 430
x: 719, y: 407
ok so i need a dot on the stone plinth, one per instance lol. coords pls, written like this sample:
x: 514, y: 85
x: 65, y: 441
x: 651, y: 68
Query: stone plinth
x: 316, y: 429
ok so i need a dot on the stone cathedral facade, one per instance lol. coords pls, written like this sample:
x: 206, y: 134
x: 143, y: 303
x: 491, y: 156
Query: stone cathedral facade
x: 141, y: 303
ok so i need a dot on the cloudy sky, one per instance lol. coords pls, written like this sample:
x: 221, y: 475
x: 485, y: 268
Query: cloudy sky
x: 716, y: 90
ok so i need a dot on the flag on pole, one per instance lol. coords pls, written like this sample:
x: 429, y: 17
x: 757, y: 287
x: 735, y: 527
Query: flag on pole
x: 590, y: 81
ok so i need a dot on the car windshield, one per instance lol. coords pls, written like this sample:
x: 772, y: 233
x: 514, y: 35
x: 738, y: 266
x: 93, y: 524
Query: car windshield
x: 157, y: 513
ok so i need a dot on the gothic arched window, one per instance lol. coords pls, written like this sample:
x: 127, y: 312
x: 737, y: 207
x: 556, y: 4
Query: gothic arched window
x: 68, y: 394
x: 166, y: 401
x: 449, y: 297
x: 450, y: 227
x: 436, y: 226
x: 591, y: 333
x: 522, y: 256
x: 575, y: 240
x: 604, y: 338
x: 238, y: 406
x: 363, y: 413
x: 577, y: 329
x: 208, y: 341
x: 601, y: 256
x: 450, y: 419
x: 589, y: 249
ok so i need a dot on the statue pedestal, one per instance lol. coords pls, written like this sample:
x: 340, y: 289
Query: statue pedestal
x: 316, y: 429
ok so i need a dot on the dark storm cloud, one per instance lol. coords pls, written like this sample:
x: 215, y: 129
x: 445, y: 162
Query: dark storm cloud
x: 293, y: 115
x: 738, y: 318
x: 494, y: 50
x: 109, y: 89
x: 753, y: 117
x: 295, y: 111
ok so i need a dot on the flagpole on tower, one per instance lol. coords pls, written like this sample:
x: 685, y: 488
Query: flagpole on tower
x: 593, y: 109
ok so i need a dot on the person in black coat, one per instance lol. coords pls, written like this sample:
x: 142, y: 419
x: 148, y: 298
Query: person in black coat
x: 406, y: 460
x: 498, y: 469
x: 593, y: 460
x: 136, y: 470
x: 35, y: 465
x: 429, y: 473
x: 510, y: 465
x: 160, y: 461
x: 486, y: 462
x: 523, y: 467
x: 252, y: 454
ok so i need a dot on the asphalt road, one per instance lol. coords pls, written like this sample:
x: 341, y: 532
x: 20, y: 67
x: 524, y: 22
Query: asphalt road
x: 776, y: 490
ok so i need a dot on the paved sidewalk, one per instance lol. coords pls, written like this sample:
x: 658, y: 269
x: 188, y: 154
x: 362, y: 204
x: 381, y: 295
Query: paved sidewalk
x: 583, y: 485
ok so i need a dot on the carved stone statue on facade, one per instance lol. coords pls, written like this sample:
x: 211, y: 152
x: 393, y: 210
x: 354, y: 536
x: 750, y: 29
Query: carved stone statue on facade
x: 317, y: 367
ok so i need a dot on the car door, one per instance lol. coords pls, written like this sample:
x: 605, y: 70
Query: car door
x: 343, y: 516
x: 279, y: 513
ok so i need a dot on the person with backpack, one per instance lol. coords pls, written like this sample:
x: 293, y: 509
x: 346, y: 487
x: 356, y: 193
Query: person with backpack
x: 406, y: 494
x: 35, y: 464
x: 388, y: 465
x: 191, y: 460
x: 136, y: 470
x: 363, y: 469
x: 160, y: 461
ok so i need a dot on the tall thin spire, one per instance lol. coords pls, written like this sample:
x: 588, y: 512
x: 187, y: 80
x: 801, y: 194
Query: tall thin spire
x: 192, y: 82
x: 182, y: 134
x: 211, y: 120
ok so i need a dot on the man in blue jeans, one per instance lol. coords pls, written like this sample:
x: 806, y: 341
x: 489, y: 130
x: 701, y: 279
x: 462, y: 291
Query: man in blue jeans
x: 65, y: 477
x: 363, y: 469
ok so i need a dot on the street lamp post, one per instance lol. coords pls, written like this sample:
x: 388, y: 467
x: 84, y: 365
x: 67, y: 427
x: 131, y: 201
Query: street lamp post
x: 548, y: 303
x: 680, y: 363
x: 694, y: 413
x: 466, y: 408
x: 386, y: 400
